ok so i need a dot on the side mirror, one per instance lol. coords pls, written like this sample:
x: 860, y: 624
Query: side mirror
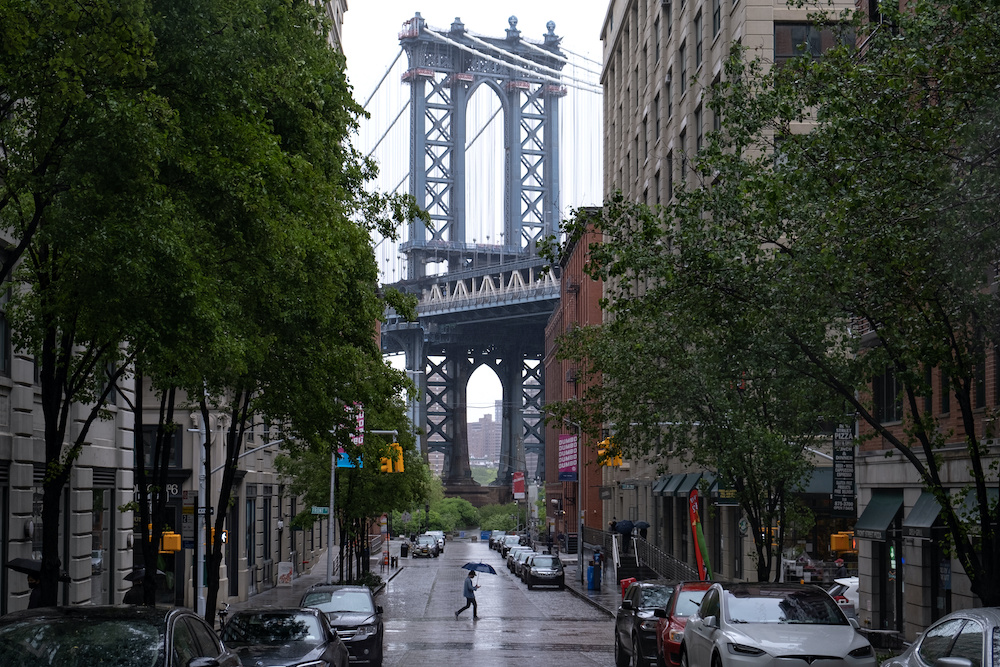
x: 660, y: 612
x: 378, y: 609
x: 952, y: 661
x: 627, y: 605
x: 854, y: 622
x: 712, y: 621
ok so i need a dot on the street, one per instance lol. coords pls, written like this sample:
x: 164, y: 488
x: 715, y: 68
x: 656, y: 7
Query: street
x: 515, y: 626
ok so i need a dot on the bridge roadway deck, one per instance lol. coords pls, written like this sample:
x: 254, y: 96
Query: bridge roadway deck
x: 569, y: 628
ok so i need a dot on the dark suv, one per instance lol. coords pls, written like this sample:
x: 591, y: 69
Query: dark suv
x: 354, y: 615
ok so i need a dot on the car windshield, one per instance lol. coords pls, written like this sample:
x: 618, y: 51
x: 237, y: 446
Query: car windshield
x: 688, y: 602
x: 341, y: 600
x: 426, y: 539
x: 656, y: 596
x: 273, y: 628
x: 131, y: 642
x: 762, y: 605
x: 545, y: 561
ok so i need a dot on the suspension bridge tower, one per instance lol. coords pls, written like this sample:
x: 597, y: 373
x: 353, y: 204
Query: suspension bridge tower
x: 479, y: 304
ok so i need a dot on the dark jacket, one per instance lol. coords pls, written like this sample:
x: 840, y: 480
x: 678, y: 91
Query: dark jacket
x: 469, y: 592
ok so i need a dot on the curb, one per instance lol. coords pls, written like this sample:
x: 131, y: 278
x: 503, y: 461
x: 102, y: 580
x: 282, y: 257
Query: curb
x: 594, y: 603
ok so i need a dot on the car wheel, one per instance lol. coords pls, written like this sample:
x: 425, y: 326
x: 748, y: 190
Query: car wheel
x: 684, y: 658
x: 562, y: 584
x: 640, y: 659
x: 529, y: 582
x: 622, y: 659
x: 660, y: 660
x: 716, y: 661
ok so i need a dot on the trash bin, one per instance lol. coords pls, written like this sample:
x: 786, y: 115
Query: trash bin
x: 593, y: 578
x: 404, y: 550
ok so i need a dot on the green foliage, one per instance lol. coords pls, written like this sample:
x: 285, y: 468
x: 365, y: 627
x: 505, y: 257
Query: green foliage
x: 484, y: 476
x: 502, y: 517
x: 841, y: 224
x: 459, y: 512
x: 369, y: 579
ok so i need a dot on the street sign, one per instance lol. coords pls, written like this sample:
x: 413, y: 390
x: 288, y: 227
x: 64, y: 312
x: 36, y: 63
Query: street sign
x: 201, y: 511
x: 320, y: 510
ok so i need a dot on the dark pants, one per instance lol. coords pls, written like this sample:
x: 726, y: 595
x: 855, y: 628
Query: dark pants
x: 469, y: 602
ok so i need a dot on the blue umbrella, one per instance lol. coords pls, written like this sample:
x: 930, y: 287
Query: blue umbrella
x: 479, y: 567
x: 624, y: 527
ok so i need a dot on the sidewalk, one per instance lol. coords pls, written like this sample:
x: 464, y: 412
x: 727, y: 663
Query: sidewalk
x: 607, y: 599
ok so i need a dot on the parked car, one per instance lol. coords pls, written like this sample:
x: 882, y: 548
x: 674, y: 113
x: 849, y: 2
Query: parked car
x: 495, y: 537
x: 512, y: 554
x: 766, y: 624
x: 106, y: 635
x: 507, y: 542
x: 354, y: 615
x: 284, y: 637
x: 517, y: 563
x: 966, y: 638
x: 845, y: 592
x: 439, y: 536
x: 426, y: 545
x: 671, y: 620
x: 96, y: 561
x: 635, y: 623
x: 544, y: 570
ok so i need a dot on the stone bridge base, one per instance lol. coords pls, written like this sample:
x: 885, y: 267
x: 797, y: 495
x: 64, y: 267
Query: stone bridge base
x: 479, y: 496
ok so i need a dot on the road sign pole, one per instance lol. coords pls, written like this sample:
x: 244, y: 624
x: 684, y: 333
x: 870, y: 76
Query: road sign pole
x: 329, y: 536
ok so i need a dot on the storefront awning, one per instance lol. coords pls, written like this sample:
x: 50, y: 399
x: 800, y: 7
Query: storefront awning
x: 672, y: 485
x: 874, y: 522
x: 921, y: 518
x: 689, y: 482
x: 660, y: 484
x: 820, y: 482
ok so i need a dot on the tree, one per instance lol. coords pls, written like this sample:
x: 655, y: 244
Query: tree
x: 848, y: 208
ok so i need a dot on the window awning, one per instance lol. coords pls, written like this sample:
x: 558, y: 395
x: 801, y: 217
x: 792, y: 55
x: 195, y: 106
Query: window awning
x: 660, y: 484
x: 921, y: 518
x: 820, y: 482
x: 672, y: 485
x: 689, y: 482
x: 874, y: 522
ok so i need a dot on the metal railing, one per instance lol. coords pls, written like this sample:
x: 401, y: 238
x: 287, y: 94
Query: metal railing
x: 644, y: 553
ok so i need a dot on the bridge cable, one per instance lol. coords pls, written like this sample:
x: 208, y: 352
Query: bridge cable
x: 483, y: 128
x: 535, y: 74
x: 569, y: 62
x: 388, y: 129
x: 379, y: 84
x: 531, y: 63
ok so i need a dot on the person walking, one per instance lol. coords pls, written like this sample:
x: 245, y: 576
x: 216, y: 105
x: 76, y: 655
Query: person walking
x: 469, y: 593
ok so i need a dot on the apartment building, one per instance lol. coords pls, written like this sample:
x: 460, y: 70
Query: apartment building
x: 661, y: 57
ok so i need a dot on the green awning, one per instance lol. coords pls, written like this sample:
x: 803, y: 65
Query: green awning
x: 820, y: 482
x: 689, y: 482
x: 672, y: 485
x: 660, y: 484
x: 921, y: 518
x: 874, y: 522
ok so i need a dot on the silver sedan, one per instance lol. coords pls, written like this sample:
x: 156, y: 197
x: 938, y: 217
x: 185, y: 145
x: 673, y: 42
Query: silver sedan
x: 967, y: 638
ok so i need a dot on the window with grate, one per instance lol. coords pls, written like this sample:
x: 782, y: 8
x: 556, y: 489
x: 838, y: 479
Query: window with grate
x: 888, y: 402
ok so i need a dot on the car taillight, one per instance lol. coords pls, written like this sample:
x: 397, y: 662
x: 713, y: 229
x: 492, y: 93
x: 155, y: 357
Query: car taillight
x: 841, y: 599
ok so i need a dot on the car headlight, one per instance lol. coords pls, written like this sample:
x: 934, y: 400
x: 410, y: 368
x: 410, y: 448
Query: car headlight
x: 365, y: 631
x: 648, y: 625
x: 863, y: 652
x: 312, y: 663
x: 675, y: 636
x: 743, y: 649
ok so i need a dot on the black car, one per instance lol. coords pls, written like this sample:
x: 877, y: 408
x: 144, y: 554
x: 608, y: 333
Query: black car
x: 353, y: 613
x: 284, y: 637
x: 106, y: 635
x: 635, y: 624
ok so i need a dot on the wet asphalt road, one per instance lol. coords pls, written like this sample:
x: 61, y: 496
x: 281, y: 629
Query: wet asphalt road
x: 544, y: 626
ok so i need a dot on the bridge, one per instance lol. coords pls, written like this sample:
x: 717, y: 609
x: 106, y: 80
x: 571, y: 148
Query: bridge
x: 479, y: 304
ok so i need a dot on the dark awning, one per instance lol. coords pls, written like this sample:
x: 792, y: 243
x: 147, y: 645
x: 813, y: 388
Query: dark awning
x: 660, y: 484
x: 672, y: 485
x: 923, y: 515
x: 689, y: 482
x: 820, y: 482
x: 874, y: 522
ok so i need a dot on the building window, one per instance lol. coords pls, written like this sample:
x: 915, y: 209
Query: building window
x: 682, y: 57
x: 716, y: 17
x: 149, y: 443
x: 251, y: 532
x: 656, y: 186
x: 684, y: 161
x: 667, y: 7
x: 656, y: 37
x: 5, y: 346
x: 804, y: 39
x: 267, y: 528
x: 645, y: 136
x: 888, y: 403
x: 698, y: 32
x: 716, y: 121
x: 699, y: 132
x: 669, y: 88
x: 656, y: 116
x: 929, y: 396
x: 670, y: 175
x: 635, y: 85
x: 945, y: 393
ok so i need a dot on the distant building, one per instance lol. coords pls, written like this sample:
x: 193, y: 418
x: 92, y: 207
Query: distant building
x: 335, y: 9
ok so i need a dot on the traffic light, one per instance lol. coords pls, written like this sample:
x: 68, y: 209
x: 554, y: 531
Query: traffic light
x: 609, y: 453
x: 385, y: 464
x: 397, y: 457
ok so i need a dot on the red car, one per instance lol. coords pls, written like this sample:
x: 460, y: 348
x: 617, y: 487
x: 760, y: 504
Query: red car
x: 671, y: 621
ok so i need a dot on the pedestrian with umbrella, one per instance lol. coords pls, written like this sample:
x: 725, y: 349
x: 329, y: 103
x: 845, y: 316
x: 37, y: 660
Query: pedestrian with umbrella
x: 642, y: 527
x: 33, y: 570
x: 470, y: 588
